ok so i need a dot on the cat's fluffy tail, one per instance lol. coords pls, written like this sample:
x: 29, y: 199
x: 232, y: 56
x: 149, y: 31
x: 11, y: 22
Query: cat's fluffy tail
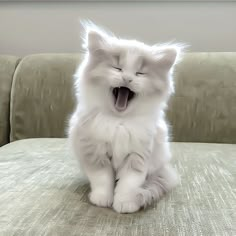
x: 157, y: 184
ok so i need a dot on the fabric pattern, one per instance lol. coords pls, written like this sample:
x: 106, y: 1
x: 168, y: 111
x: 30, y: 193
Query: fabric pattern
x: 42, y: 97
x: 202, y: 110
x: 7, y: 69
x: 42, y: 193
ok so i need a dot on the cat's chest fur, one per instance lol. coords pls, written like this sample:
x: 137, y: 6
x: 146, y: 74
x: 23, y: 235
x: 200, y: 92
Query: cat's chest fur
x: 120, y: 137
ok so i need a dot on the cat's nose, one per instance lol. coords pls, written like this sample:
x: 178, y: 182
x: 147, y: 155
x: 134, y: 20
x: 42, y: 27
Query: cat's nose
x: 127, y: 79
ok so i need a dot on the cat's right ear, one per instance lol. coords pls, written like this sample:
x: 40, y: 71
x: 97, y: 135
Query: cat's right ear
x: 94, y: 38
x: 95, y: 41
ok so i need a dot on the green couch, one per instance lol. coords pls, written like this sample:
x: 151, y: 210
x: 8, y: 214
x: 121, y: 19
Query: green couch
x: 41, y: 189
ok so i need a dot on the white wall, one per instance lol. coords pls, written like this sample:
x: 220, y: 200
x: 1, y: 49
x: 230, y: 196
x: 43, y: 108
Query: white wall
x: 27, y: 28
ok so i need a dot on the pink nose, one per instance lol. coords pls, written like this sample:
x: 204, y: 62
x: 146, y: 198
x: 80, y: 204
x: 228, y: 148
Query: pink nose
x: 127, y: 79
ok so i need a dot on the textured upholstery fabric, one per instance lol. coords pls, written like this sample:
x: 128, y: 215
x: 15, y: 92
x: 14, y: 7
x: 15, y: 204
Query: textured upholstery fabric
x: 204, y: 106
x: 202, y: 110
x: 7, y: 68
x: 42, y: 194
x: 41, y: 95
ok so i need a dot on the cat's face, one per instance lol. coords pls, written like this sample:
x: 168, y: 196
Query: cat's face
x: 125, y: 74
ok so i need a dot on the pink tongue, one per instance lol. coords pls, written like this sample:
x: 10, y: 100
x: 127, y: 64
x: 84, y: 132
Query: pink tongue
x: 122, y: 99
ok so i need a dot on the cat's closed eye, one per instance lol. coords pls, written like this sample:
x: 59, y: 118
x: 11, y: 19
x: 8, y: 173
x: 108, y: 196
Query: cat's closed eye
x: 117, y: 68
x: 139, y: 73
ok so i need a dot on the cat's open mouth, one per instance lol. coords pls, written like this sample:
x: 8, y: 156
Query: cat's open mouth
x: 122, y: 97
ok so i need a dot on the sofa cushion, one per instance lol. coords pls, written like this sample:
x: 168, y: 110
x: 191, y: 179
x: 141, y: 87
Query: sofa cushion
x: 7, y: 69
x: 42, y: 96
x: 42, y: 193
x: 203, y: 107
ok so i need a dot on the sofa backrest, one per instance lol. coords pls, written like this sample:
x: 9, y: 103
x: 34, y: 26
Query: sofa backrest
x: 42, y: 97
x: 7, y: 68
x: 204, y: 106
x: 202, y: 110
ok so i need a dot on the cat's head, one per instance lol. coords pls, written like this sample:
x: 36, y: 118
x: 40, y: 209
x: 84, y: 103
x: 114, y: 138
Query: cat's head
x: 126, y: 76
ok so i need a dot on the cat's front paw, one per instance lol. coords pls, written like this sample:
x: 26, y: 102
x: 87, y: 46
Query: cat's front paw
x: 125, y: 203
x: 101, y: 198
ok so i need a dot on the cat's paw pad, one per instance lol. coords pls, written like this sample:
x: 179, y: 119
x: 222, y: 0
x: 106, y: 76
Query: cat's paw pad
x: 101, y: 198
x: 125, y: 205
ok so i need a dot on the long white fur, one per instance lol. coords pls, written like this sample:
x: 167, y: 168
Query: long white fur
x: 130, y: 146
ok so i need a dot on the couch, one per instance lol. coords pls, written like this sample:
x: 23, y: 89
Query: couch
x: 41, y: 189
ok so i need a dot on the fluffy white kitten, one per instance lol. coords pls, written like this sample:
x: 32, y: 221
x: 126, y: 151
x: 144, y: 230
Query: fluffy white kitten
x: 118, y: 130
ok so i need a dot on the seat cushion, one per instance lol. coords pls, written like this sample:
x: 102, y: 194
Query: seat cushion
x: 42, y: 193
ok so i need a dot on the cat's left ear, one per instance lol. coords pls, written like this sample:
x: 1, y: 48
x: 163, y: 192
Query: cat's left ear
x: 168, y: 56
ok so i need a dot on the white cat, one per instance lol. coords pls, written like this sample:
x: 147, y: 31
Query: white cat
x: 118, y: 130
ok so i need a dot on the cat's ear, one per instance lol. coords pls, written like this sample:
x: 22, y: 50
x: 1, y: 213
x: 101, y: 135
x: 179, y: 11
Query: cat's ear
x: 168, y: 55
x: 94, y: 37
x: 96, y: 40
